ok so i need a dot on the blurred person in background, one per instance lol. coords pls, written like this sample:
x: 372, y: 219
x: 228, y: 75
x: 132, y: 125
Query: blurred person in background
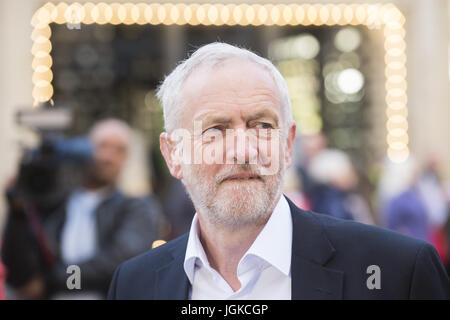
x: 413, y: 202
x: 294, y: 191
x: 96, y: 228
x: 433, y: 194
x: 334, y: 191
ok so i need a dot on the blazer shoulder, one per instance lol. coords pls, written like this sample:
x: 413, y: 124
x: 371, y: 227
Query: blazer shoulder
x: 353, y: 233
x: 157, y: 257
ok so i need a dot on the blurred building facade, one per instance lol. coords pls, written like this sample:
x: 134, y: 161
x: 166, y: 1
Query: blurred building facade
x: 427, y: 51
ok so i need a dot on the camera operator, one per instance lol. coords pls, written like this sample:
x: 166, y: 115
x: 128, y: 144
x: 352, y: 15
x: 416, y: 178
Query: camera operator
x: 94, y: 226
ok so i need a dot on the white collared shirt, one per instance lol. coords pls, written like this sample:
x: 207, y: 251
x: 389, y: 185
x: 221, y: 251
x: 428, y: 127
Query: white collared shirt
x: 79, y: 238
x: 264, y: 271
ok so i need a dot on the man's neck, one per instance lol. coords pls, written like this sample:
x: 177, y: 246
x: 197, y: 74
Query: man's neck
x: 225, y: 247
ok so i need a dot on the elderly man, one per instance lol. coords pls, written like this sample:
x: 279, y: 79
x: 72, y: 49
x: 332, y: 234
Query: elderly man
x: 96, y: 228
x: 229, y: 138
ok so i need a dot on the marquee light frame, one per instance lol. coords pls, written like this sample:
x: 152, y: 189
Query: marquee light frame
x: 386, y: 16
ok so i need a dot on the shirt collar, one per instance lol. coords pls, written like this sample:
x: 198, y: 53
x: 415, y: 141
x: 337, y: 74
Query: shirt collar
x: 273, y: 244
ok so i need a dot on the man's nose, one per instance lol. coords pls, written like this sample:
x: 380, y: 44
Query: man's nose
x: 241, y: 147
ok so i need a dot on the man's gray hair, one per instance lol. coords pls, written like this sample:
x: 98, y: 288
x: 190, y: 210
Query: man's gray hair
x: 170, y: 91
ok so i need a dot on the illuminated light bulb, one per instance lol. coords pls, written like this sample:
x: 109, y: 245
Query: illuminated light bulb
x: 396, y: 31
x: 396, y: 145
x: 348, y: 14
x: 399, y: 58
x: 396, y: 65
x: 391, y: 14
x: 174, y: 14
x: 276, y: 15
x: 57, y: 14
x: 395, y: 52
x: 398, y: 132
x: 74, y: 13
x: 148, y: 14
x: 42, y: 92
x: 393, y: 26
x: 88, y: 7
x: 201, y: 14
x: 342, y: 20
x: 41, y: 34
x: 193, y: 9
x: 300, y: 15
x: 403, y: 112
x: 46, y: 76
x: 250, y: 15
x: 41, y: 69
x: 395, y: 72
x: 394, y: 128
x: 41, y: 49
x: 361, y: 14
x: 139, y: 12
x: 398, y: 156
x: 401, y: 98
x: 397, y: 119
x: 329, y: 21
x: 256, y: 19
x: 181, y: 7
x: 225, y: 14
x: 394, y: 38
x: 237, y: 14
x: 312, y: 14
x: 396, y: 105
x: 395, y: 79
x: 399, y: 45
x: 322, y: 14
x: 118, y: 13
x: 213, y: 14
x: 102, y: 13
x: 128, y: 16
x: 42, y: 62
x: 396, y: 85
x: 289, y: 14
x: 336, y: 14
x: 161, y: 14
x: 42, y: 17
x: 243, y: 9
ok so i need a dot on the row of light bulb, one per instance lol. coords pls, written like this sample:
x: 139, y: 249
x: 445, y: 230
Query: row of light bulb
x: 372, y: 15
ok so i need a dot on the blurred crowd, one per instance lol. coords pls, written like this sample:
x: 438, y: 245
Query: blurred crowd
x: 408, y: 197
x: 90, y: 222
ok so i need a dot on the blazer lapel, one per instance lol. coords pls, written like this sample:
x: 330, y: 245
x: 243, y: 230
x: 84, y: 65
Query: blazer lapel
x: 171, y: 280
x: 311, y: 250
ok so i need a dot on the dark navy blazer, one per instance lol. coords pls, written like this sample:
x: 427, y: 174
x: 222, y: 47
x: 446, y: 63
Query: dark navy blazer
x: 330, y: 260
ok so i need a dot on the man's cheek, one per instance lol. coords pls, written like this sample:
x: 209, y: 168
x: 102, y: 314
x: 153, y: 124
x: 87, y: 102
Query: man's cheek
x: 269, y: 152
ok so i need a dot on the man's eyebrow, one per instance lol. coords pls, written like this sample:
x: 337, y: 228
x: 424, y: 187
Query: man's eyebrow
x: 263, y: 114
x: 208, y: 119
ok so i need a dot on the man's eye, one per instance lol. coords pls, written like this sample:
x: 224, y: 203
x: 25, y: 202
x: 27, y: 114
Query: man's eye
x: 213, y: 129
x: 264, y: 125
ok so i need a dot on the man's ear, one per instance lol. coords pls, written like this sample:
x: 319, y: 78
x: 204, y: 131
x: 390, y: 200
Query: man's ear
x: 169, y: 152
x: 290, y: 139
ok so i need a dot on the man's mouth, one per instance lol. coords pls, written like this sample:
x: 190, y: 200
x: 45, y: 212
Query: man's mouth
x: 242, y: 177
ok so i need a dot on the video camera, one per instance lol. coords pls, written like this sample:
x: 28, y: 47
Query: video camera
x: 56, y: 165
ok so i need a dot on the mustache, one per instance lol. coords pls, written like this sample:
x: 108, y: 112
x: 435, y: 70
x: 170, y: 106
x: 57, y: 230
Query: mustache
x: 229, y: 171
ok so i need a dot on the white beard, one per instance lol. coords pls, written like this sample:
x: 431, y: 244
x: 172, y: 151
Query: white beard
x: 231, y: 204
